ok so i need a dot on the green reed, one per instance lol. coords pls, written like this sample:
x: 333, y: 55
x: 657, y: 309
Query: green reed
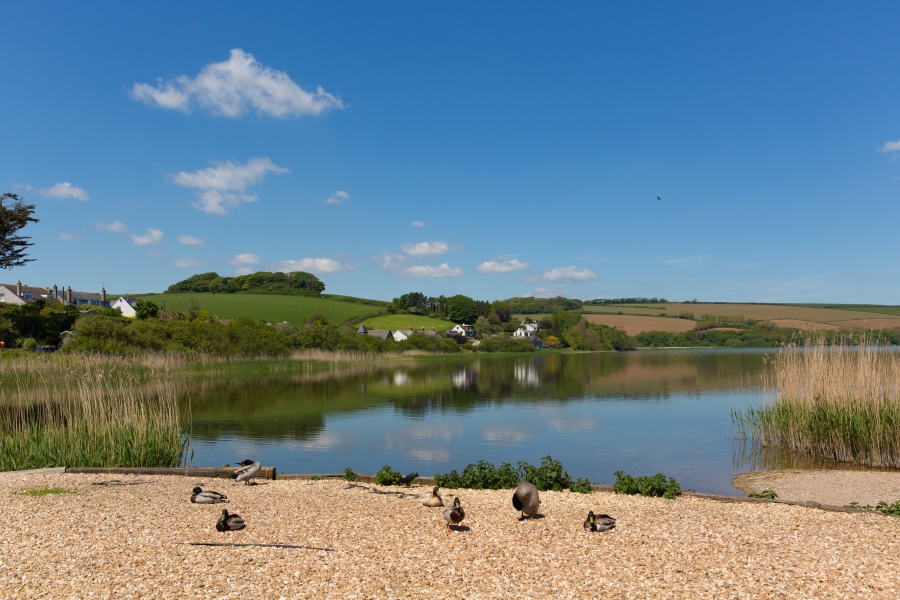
x: 92, y: 418
x: 837, y: 402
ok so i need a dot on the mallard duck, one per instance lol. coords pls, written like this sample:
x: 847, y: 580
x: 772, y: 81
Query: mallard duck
x: 526, y: 499
x: 598, y: 522
x: 201, y: 497
x: 454, y: 514
x: 247, y: 471
x: 432, y: 499
x: 229, y: 522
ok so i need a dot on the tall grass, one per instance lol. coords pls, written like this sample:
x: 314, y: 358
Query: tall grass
x: 837, y: 402
x: 94, y: 418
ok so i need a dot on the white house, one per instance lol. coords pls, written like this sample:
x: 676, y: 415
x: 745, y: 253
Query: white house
x: 126, y: 306
x: 464, y: 330
x: 526, y: 330
x: 401, y: 335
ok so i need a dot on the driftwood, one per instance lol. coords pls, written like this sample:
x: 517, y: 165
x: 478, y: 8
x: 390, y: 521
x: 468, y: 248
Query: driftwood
x: 220, y: 472
x: 259, y: 545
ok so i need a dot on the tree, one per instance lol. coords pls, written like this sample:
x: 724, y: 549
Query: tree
x: 146, y: 309
x: 14, y: 215
x: 461, y: 309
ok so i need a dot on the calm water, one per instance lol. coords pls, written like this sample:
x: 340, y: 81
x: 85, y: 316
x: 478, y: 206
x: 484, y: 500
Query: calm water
x: 641, y: 412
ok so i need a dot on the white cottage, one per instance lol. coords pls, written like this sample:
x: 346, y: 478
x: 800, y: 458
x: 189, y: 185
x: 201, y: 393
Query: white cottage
x: 126, y: 306
x: 526, y: 330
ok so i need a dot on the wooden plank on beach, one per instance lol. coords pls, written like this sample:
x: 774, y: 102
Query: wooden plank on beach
x: 201, y: 472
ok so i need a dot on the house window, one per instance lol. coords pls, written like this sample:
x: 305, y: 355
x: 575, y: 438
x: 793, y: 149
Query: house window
x: 28, y: 296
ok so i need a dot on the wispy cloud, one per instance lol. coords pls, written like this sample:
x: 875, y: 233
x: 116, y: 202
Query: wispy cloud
x: 428, y: 271
x: 418, y: 224
x: 425, y: 249
x: 890, y: 147
x: 117, y: 226
x: 64, y: 190
x: 337, y: 197
x: 191, y: 240
x: 245, y: 258
x: 69, y: 236
x: 504, y: 265
x: 319, y: 266
x: 235, y: 86
x: 150, y: 237
x: 222, y: 186
x: 562, y: 275
x: 664, y: 285
x: 683, y: 260
x: 242, y: 271
x: 187, y: 263
x: 544, y: 292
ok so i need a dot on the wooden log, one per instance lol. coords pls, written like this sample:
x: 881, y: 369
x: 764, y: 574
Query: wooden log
x: 200, y: 472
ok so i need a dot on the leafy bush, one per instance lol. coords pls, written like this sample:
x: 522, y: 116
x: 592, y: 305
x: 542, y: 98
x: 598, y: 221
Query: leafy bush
x: 387, y: 476
x: 656, y: 486
x: 768, y: 494
x: 29, y: 344
x: 349, y: 475
x: 549, y: 476
x: 891, y: 510
x: 504, y: 344
x: 480, y: 476
x: 581, y: 486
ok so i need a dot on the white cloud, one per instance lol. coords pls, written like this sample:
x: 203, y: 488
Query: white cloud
x: 117, y: 226
x: 421, y: 271
x: 338, y: 196
x: 664, y: 285
x: 233, y: 87
x: 506, y: 265
x: 544, y: 292
x: 186, y: 263
x: 223, y: 186
x: 245, y: 258
x: 191, y: 240
x: 68, y: 236
x: 425, y: 249
x: 890, y: 147
x: 243, y: 271
x: 151, y: 236
x: 568, y: 274
x: 418, y: 224
x: 311, y: 265
x: 64, y: 190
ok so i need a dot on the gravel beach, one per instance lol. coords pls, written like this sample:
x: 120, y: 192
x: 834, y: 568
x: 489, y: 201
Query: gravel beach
x: 838, y: 488
x: 131, y: 539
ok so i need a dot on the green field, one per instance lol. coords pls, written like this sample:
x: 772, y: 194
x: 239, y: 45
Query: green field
x: 395, y: 322
x: 266, y: 306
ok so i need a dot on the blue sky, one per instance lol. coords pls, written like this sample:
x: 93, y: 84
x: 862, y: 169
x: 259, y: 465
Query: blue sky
x: 491, y: 149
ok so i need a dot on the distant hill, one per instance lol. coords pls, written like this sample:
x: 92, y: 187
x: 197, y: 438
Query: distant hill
x: 298, y: 283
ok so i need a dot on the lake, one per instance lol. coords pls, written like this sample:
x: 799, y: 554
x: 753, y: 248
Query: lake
x: 639, y: 412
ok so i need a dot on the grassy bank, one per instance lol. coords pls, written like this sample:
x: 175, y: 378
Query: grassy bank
x: 88, y: 413
x: 837, y: 402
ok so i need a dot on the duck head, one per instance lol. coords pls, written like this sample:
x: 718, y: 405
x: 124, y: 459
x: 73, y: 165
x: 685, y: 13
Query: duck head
x: 246, y: 462
x: 224, y: 516
x: 590, y: 516
x: 456, y: 503
x: 434, y: 492
x: 196, y: 490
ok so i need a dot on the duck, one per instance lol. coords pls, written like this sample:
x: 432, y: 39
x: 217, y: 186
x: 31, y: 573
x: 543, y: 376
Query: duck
x: 526, y: 499
x: 230, y: 522
x: 598, y: 522
x: 248, y: 469
x: 407, y: 479
x: 454, y: 514
x: 432, y: 499
x: 200, y: 497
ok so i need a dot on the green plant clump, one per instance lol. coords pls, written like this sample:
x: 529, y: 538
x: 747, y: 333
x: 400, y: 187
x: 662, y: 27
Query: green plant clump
x: 581, y: 486
x: 891, y: 510
x: 349, y: 475
x: 46, y: 491
x: 769, y: 494
x: 483, y: 475
x: 656, y: 486
x: 387, y: 476
x: 315, y: 478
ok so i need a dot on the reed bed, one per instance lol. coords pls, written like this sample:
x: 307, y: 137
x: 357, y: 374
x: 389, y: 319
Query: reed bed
x: 95, y: 418
x: 838, y: 402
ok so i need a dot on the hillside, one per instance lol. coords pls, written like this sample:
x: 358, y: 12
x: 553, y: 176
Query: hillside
x: 395, y: 322
x: 293, y: 309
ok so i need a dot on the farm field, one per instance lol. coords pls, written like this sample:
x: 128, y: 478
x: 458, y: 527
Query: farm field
x: 264, y: 306
x: 806, y: 325
x: 767, y: 312
x: 403, y: 322
x: 633, y: 324
x: 869, y: 308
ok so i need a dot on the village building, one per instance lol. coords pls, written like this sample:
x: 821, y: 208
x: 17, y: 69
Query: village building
x: 23, y: 294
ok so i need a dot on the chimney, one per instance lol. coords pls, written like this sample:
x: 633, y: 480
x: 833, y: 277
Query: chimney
x: 103, y: 294
x: 19, y: 288
x: 69, y: 294
x: 55, y: 292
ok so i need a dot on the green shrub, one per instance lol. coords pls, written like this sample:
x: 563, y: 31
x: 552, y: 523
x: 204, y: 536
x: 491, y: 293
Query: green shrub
x: 891, y: 510
x: 29, y: 343
x: 504, y: 344
x: 656, y: 486
x: 480, y: 476
x: 387, y: 476
x: 581, y: 486
x: 768, y: 494
x: 349, y: 475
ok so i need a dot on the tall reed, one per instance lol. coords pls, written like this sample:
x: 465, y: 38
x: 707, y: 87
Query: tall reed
x: 94, y: 419
x: 840, y: 402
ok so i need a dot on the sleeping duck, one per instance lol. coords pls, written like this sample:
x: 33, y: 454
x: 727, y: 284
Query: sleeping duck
x: 201, y: 497
x: 598, y: 522
x: 229, y: 522
x: 526, y: 499
x: 248, y: 469
x: 432, y: 499
x: 454, y: 514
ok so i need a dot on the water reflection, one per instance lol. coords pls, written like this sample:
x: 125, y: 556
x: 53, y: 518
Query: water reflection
x: 640, y: 412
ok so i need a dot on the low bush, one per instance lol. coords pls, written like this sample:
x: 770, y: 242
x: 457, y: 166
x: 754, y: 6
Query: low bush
x: 504, y: 344
x: 656, y: 486
x: 349, y: 475
x: 387, y: 476
x: 891, y: 510
x: 483, y: 475
x: 768, y: 494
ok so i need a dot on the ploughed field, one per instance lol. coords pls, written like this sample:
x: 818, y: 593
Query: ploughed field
x: 635, y: 324
x: 133, y: 536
